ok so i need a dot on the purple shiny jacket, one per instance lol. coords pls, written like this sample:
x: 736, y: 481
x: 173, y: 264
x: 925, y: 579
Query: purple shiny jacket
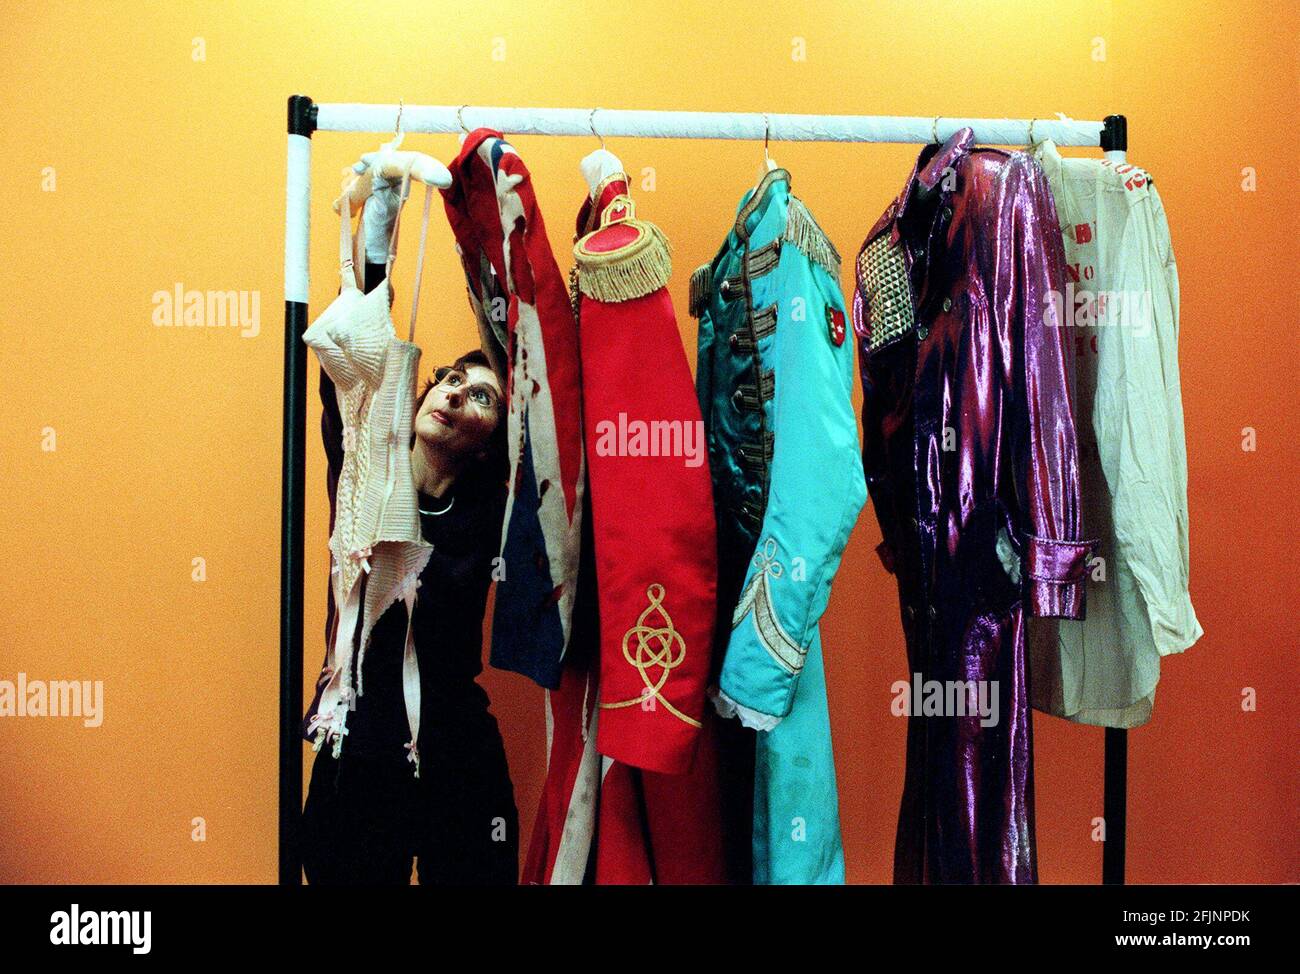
x: 970, y: 460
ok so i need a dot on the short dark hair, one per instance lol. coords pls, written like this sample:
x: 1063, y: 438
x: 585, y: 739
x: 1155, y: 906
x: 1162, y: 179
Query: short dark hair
x: 493, y: 470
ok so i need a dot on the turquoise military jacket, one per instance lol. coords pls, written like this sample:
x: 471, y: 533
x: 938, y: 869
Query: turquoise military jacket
x: 774, y: 378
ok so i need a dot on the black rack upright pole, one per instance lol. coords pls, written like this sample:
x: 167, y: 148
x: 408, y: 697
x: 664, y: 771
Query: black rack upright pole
x: 302, y: 122
x: 1115, y: 806
x: 1114, y: 137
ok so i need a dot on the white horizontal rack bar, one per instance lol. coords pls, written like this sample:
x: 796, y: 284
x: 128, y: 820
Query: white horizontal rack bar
x: 614, y: 122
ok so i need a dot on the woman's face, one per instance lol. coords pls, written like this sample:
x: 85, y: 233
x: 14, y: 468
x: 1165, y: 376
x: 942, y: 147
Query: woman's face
x: 460, y: 412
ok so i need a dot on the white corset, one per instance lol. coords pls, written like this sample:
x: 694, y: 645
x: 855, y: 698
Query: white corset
x: 376, y: 519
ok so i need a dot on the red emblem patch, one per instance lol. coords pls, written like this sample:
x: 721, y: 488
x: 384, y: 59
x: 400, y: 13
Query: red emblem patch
x: 835, y: 322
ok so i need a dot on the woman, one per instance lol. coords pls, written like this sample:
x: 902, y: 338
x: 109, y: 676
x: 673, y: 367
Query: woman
x: 366, y: 815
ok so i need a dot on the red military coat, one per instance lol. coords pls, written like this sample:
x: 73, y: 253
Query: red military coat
x: 631, y: 793
x: 651, y: 492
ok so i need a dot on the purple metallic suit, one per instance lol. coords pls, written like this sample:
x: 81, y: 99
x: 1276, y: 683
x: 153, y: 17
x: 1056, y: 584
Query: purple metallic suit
x: 969, y: 454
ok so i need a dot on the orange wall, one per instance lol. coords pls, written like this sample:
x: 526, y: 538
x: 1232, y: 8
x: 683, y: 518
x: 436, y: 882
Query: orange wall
x: 171, y: 169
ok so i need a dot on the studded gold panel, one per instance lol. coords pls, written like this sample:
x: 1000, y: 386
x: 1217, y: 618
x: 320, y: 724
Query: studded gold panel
x: 886, y: 292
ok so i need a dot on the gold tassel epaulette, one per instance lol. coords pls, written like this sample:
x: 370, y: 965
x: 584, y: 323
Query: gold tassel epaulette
x: 802, y: 231
x: 633, y: 270
x: 701, y: 285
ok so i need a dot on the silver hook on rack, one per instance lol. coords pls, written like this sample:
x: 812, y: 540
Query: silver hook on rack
x: 591, y: 123
x: 397, y: 138
x: 1032, y: 143
x: 768, y: 163
x: 460, y: 121
x: 934, y: 129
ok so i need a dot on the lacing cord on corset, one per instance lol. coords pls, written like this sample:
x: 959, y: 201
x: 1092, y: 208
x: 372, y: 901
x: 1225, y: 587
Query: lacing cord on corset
x: 394, y: 431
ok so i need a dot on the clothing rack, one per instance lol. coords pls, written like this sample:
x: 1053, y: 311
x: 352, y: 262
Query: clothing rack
x: 307, y: 117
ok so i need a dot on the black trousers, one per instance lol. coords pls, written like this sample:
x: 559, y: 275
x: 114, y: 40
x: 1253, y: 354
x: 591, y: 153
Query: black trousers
x: 365, y: 820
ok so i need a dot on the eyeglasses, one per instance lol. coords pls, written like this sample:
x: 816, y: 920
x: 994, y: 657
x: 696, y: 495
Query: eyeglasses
x: 478, y: 392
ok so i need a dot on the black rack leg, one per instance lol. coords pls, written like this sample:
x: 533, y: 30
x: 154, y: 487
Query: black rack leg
x: 1115, y: 806
x: 1114, y: 136
x: 293, y: 477
x: 302, y: 121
